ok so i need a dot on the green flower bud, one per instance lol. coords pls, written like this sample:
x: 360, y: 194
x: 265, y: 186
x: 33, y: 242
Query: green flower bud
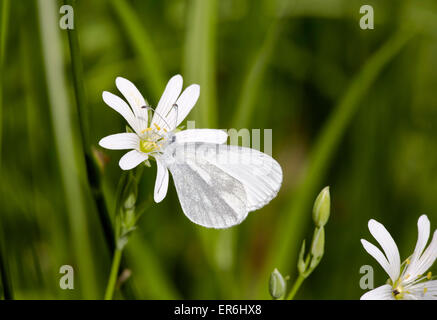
x: 129, y: 203
x: 302, y: 263
x: 322, y: 207
x: 277, y: 285
x: 318, y: 245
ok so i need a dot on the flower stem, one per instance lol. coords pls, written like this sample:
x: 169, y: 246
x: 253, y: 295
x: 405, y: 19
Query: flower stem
x: 295, y: 287
x: 114, y: 274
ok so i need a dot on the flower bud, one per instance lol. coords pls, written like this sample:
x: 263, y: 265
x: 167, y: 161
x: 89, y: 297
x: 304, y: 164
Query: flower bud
x: 322, y: 207
x: 277, y: 285
x: 302, y: 264
x: 318, y: 245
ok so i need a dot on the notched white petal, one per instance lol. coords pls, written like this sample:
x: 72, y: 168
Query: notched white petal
x: 385, y: 240
x: 161, y: 183
x: 378, y: 256
x: 131, y: 159
x: 135, y: 99
x: 381, y: 293
x: 120, y: 141
x: 186, y: 101
x: 423, y: 228
x: 168, y: 98
x: 122, y: 108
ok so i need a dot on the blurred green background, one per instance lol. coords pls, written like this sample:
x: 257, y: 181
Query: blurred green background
x: 350, y: 108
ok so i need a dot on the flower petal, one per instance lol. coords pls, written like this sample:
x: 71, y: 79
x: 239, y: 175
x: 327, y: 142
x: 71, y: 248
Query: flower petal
x: 168, y: 98
x: 122, y: 108
x: 426, y: 290
x: 377, y: 255
x: 426, y: 260
x: 161, y: 183
x: 380, y: 233
x: 423, y: 227
x: 201, y: 135
x: 186, y: 102
x: 381, y: 293
x: 120, y: 141
x: 131, y: 159
x: 135, y: 99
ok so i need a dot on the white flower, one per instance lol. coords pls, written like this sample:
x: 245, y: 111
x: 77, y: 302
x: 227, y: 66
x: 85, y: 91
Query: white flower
x: 217, y: 184
x: 409, y: 280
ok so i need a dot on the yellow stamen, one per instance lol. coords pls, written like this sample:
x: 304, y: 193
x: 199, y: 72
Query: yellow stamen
x: 407, y: 276
x: 428, y: 276
x: 157, y: 127
x: 408, y: 261
x: 425, y: 290
x: 147, y: 129
x: 165, y: 130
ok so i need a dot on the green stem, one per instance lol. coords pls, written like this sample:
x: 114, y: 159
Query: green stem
x: 114, y: 274
x: 7, y: 288
x: 4, y: 271
x: 295, y: 287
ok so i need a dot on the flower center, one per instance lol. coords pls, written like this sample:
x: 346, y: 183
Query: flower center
x: 398, y: 292
x: 152, y: 141
x: 148, y: 146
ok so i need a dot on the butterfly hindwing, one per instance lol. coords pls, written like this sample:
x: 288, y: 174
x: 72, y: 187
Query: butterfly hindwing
x: 209, y: 196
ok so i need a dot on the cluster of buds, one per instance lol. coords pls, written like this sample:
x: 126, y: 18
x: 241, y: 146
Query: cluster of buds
x: 127, y: 213
x: 306, y: 263
x: 321, y: 210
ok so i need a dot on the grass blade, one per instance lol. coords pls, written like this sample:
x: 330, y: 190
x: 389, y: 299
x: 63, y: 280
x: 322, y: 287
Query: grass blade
x: 199, y: 62
x: 93, y: 174
x: 65, y: 143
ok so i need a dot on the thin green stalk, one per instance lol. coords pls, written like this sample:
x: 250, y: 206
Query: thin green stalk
x: 65, y: 141
x: 4, y: 269
x: 114, y: 274
x: 295, y: 287
x: 290, y: 227
x: 93, y: 174
x: 142, y: 44
x: 200, y: 58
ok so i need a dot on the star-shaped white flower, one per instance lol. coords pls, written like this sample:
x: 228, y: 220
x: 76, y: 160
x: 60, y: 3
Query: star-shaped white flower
x: 150, y: 140
x: 409, y: 280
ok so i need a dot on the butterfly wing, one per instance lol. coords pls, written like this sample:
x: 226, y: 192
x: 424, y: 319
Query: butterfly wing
x: 209, y: 196
x: 218, y: 184
x: 259, y: 173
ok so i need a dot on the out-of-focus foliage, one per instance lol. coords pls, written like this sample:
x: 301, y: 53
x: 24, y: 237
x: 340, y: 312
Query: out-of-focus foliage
x: 285, y: 65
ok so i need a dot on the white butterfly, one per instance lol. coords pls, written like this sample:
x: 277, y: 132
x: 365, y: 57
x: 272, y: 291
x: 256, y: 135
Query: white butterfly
x: 217, y: 184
